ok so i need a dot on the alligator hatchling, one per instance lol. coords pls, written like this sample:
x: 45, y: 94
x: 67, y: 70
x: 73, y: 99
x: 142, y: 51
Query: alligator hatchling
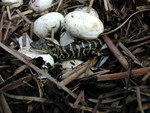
x: 73, y: 50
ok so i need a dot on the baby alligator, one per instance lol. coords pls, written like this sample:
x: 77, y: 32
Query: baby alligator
x: 71, y: 51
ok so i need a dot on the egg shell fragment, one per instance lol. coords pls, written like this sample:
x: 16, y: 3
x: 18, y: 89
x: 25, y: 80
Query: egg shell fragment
x: 83, y: 25
x: 48, y: 22
x: 66, y: 39
x: 32, y: 54
x: 38, y: 5
x: 92, y: 12
x: 20, y: 2
x: 69, y: 64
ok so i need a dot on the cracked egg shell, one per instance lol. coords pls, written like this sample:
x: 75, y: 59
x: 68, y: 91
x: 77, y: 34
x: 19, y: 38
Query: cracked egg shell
x: 65, y: 39
x: 83, y: 25
x: 48, y: 22
x: 32, y: 54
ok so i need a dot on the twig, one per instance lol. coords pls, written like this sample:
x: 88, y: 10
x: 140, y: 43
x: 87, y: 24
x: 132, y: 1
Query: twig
x: 3, y: 101
x: 128, y: 41
x: 78, y: 71
x: 17, y: 71
x: 109, y: 5
x: 95, y: 74
x: 16, y: 83
x: 90, y: 5
x: 96, y: 107
x: 6, y: 32
x: 143, y: 93
x: 127, y: 31
x: 4, y: 104
x: 115, y: 76
x: 146, y: 77
x: 1, y: 24
x: 59, y: 5
x: 106, y: 5
x: 15, y: 27
x: 24, y: 39
x: 139, y: 99
x: 48, y: 7
x: 15, y: 53
x: 123, y: 22
x: 4, y: 66
x: 71, y: 7
x: 141, y: 39
x: 24, y: 13
x: 116, y: 52
x: 8, y: 12
x: 79, y: 98
x: 38, y: 99
x: 126, y: 90
x: 130, y: 54
x: 142, y: 7
x: 84, y: 108
x: 39, y: 87
x: 25, y: 18
x: 31, y: 30
x: 138, y: 45
x: 68, y: 73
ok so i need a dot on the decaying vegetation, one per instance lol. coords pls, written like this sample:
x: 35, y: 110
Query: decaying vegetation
x: 120, y: 85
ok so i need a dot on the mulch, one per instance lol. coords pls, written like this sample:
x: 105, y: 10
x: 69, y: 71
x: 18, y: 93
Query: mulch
x: 120, y: 85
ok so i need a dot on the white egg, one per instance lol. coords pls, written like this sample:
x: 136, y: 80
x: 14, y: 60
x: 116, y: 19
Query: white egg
x: 83, y: 25
x: 17, y: 3
x: 66, y: 39
x: 48, y: 22
x: 92, y: 12
x: 32, y: 54
x: 38, y: 5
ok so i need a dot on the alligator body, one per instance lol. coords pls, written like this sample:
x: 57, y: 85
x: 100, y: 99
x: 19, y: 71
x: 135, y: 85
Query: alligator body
x: 71, y: 51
